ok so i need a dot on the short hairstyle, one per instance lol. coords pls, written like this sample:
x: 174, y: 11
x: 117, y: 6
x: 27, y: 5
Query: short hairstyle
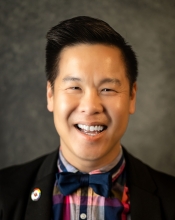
x: 86, y: 30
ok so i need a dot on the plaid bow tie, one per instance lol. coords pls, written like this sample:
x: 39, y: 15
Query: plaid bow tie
x: 70, y: 182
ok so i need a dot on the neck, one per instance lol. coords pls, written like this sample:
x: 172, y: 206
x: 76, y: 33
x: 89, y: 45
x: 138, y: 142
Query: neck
x: 87, y: 165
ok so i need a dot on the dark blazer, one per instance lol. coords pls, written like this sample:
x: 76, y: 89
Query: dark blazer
x: 152, y: 193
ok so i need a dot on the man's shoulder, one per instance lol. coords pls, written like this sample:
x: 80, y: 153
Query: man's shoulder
x: 161, y: 180
x: 150, y: 188
x: 164, y: 189
x: 23, y: 173
x: 17, y: 182
x: 16, y: 173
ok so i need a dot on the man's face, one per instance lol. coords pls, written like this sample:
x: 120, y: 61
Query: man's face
x: 91, y: 104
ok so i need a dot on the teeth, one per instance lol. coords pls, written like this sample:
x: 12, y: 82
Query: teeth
x: 91, y: 128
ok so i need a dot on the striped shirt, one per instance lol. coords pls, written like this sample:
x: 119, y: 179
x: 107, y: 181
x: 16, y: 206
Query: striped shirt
x: 85, y: 203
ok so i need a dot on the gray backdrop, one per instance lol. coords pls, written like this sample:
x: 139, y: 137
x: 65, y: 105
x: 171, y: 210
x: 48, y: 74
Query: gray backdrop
x: 26, y: 128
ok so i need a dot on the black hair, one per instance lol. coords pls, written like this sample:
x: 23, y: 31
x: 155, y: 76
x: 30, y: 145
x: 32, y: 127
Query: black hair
x: 86, y: 30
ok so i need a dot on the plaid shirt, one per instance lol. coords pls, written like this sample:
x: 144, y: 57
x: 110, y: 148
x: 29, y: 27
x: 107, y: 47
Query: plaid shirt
x: 86, y: 204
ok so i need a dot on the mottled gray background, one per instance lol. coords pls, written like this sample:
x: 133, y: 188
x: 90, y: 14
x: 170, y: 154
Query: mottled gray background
x: 26, y: 128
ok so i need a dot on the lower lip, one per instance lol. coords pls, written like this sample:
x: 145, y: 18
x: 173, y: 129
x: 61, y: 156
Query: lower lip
x: 93, y: 137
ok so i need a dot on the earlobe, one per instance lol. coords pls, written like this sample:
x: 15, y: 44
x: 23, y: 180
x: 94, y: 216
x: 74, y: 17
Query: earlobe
x: 49, y: 97
x: 133, y: 98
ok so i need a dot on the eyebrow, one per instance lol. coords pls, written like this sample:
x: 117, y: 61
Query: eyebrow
x: 110, y: 80
x: 70, y: 78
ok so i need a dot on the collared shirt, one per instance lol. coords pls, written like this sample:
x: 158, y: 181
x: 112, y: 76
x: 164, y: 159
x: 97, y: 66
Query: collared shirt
x: 85, y: 203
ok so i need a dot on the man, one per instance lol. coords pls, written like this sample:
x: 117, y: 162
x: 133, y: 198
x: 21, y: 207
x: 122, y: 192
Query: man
x: 91, y: 90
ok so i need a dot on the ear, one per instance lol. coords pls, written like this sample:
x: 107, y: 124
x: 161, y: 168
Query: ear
x: 49, y: 97
x: 133, y: 99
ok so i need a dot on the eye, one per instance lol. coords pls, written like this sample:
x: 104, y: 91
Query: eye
x: 108, y: 91
x: 75, y: 88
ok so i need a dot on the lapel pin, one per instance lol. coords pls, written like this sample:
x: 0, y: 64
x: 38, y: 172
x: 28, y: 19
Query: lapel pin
x: 36, y: 194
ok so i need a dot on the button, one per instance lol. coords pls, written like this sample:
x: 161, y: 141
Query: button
x: 36, y: 194
x: 83, y: 216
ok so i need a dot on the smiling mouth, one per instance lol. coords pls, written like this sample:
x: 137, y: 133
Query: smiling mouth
x: 91, y: 130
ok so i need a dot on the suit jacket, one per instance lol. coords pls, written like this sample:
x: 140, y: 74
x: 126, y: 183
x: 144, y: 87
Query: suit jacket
x: 152, y: 193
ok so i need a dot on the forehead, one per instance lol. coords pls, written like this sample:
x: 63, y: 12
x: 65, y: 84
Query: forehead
x: 102, y: 50
x: 91, y: 59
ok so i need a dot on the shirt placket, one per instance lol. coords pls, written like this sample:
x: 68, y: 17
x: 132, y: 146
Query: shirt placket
x: 83, y: 203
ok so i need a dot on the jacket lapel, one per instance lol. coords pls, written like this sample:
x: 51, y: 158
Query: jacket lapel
x: 144, y: 201
x: 42, y: 208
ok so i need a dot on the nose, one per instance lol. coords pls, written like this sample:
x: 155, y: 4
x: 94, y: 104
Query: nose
x: 91, y: 103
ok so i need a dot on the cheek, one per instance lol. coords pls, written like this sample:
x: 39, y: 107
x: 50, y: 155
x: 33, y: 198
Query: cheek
x: 119, y: 112
x: 63, y: 106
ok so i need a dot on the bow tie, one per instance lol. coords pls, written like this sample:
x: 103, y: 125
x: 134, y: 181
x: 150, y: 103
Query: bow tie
x: 70, y: 182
